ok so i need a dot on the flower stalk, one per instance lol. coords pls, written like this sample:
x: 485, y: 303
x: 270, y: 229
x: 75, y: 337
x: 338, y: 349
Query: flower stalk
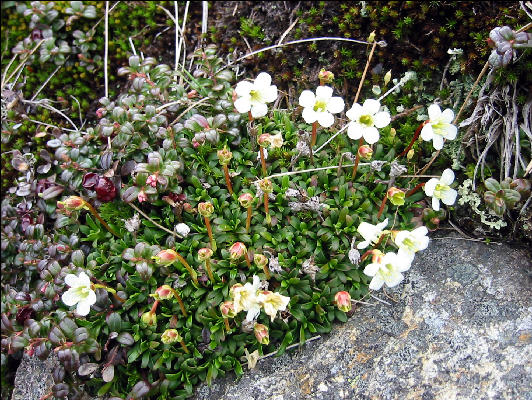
x: 189, y: 269
x: 415, y: 189
x: 414, y: 138
x: 357, y: 160
x: 180, y: 301
x: 383, y: 203
x: 263, y: 161
x: 228, y: 179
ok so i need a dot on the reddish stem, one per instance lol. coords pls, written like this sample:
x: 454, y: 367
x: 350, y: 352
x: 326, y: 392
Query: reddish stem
x: 381, y: 209
x: 209, y: 270
x: 266, y: 271
x: 414, y: 138
x: 227, y: 327
x: 415, y: 189
x: 209, y: 232
x: 266, y: 208
x: 314, y: 134
x: 180, y: 301
x: 248, y: 219
x: 154, y: 307
x: 184, y: 346
x: 247, y: 260
x: 228, y: 179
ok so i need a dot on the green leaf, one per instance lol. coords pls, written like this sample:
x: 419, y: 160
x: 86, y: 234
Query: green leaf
x: 288, y: 338
x: 492, y: 184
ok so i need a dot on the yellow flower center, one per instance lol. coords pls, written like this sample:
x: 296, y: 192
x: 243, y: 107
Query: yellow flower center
x: 320, y: 106
x: 440, y: 189
x: 255, y: 95
x: 366, y: 120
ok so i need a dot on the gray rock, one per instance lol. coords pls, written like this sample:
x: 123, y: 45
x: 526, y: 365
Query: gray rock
x: 458, y: 327
x: 34, y: 378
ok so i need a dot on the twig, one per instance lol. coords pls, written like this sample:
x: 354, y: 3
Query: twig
x: 291, y: 347
x: 365, y: 70
x: 308, y: 170
x: 47, y: 80
x: 190, y: 108
x: 288, y: 31
x: 152, y: 221
x: 42, y: 103
x: 204, y: 19
x: 382, y: 301
x: 106, y: 50
x: 22, y: 63
x: 331, y: 138
x: 176, y: 11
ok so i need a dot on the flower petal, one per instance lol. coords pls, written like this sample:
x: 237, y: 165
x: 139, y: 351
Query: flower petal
x: 335, y: 105
x: 72, y: 280
x: 263, y: 80
x: 371, y: 106
x: 84, y: 279
x: 70, y: 297
x: 307, y: 99
x: 259, y: 110
x: 449, y: 197
x: 243, y: 104
x: 437, y: 142
x: 324, y: 93
x: 435, y: 204
x: 394, y: 279
x: 325, y: 119
x: 243, y: 88
x: 447, y: 115
x: 372, y: 269
x: 354, y: 112
x: 367, y: 230
x: 354, y: 130
x: 371, y: 134
x: 430, y: 186
x: 447, y: 177
x: 309, y: 115
x: 376, y: 283
x: 363, y: 245
x: 434, y: 112
x: 83, y: 308
x: 450, y: 132
x: 381, y: 119
x: 427, y: 133
x: 270, y: 94
x: 91, y: 298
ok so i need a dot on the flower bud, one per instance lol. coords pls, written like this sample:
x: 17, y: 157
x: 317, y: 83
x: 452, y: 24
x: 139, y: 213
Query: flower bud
x: 246, y: 199
x: 235, y: 287
x: 261, y: 333
x: 387, y: 77
x: 371, y: 37
x: 237, y: 251
x: 228, y: 309
x: 206, y: 209
x: 266, y: 185
x: 149, y: 318
x: 325, y: 76
x: 152, y: 180
x: 165, y: 257
x: 376, y: 256
x: 224, y: 156
x: 187, y: 207
x: 392, y: 132
x: 170, y: 336
x: 410, y: 154
x: 343, y: 301
x: 365, y: 152
x: 260, y: 260
x: 142, y: 196
x: 205, y: 253
x: 163, y: 292
x: 277, y: 141
x: 72, y: 203
x: 396, y: 196
x: 264, y: 140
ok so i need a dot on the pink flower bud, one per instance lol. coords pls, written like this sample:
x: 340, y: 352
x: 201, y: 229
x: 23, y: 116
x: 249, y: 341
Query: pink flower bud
x: 260, y: 260
x: 235, y: 287
x: 152, y: 180
x: 187, y: 207
x: 365, y: 152
x: 142, y: 196
x: 170, y: 336
x: 325, y: 76
x: 224, y: 156
x: 237, y: 251
x: 228, y: 309
x: 205, y: 253
x: 72, y: 203
x: 396, y: 196
x: 166, y: 257
x: 264, y: 140
x: 261, y: 333
x: 206, y: 209
x: 343, y: 301
x: 266, y: 185
x: 163, y: 292
x: 376, y: 256
x: 245, y: 199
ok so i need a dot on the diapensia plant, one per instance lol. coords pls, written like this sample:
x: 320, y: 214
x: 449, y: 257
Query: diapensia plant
x: 234, y: 228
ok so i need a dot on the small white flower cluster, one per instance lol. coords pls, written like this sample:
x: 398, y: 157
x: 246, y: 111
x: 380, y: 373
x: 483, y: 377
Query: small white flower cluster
x: 387, y: 268
x: 251, y: 298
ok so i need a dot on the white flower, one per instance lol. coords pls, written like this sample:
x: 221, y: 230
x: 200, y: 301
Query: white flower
x: 387, y: 269
x: 370, y: 233
x: 365, y: 119
x: 276, y: 141
x: 80, y: 293
x: 439, y: 126
x: 254, y: 96
x: 439, y: 189
x: 245, y: 299
x: 273, y: 302
x: 182, y: 229
x: 410, y: 243
x: 321, y: 106
x: 265, y: 150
